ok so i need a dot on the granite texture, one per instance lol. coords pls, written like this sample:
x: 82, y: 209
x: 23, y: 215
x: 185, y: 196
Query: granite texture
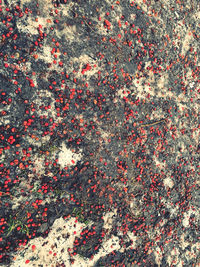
x: 99, y: 133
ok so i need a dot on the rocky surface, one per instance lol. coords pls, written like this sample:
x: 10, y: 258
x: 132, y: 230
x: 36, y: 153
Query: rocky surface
x: 99, y: 133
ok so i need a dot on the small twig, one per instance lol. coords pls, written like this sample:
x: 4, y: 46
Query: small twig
x: 5, y: 194
x: 83, y: 18
x: 151, y: 124
x: 56, y: 210
x: 89, y: 25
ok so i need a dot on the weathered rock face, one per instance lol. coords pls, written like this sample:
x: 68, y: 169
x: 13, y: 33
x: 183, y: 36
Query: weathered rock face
x: 99, y: 133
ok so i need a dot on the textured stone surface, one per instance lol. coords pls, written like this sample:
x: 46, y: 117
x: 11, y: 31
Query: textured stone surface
x: 99, y: 133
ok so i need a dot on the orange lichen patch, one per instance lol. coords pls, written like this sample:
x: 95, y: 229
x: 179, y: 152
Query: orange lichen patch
x: 21, y: 166
x: 125, y: 189
x: 110, y: 199
x: 35, y: 137
x: 16, y: 161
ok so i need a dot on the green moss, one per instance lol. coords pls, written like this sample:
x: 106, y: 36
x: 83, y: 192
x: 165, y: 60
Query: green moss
x: 78, y: 212
x: 14, y: 223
